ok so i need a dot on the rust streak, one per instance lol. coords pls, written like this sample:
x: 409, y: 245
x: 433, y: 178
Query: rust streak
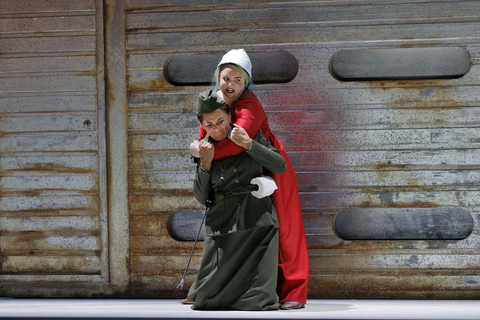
x: 152, y: 85
x: 51, y: 212
x: 416, y: 204
x: 53, y: 167
x: 57, y: 232
x: 40, y: 192
x: 2, y: 258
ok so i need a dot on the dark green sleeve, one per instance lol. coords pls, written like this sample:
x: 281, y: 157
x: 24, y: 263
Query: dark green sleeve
x: 263, y: 152
x: 202, y: 185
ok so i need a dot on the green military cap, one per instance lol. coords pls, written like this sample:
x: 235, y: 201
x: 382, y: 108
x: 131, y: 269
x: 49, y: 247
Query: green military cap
x: 209, y: 101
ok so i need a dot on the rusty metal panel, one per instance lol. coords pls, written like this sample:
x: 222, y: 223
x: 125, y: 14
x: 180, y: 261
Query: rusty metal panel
x: 370, y: 144
x: 205, y: 41
x: 50, y: 84
x: 39, y: 7
x: 49, y: 204
x: 79, y: 244
x: 47, y: 24
x: 284, y: 13
x: 53, y: 222
x: 48, y: 142
x: 53, y: 163
x: 66, y: 184
x: 151, y: 163
x: 53, y: 122
x: 50, y: 64
x: 43, y: 102
x: 51, y: 265
x: 50, y: 225
x: 39, y: 45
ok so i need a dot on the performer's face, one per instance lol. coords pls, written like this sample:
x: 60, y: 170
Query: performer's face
x: 232, y: 84
x: 217, y: 124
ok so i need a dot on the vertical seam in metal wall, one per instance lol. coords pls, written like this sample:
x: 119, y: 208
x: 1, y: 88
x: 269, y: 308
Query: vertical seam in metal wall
x: 101, y: 128
x: 117, y: 156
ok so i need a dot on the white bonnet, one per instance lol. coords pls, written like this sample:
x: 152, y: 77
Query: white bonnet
x: 238, y: 57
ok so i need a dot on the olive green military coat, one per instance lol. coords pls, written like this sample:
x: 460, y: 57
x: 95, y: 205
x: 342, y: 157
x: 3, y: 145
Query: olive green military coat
x: 240, y: 253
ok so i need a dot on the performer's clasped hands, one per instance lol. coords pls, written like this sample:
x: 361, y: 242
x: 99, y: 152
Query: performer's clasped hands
x: 206, y: 152
x: 240, y: 137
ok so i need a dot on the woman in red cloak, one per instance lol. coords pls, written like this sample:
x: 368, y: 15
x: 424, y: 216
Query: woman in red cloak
x: 233, y: 77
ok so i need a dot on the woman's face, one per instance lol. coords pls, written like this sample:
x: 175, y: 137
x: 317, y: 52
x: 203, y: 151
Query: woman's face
x: 217, y: 124
x: 231, y: 83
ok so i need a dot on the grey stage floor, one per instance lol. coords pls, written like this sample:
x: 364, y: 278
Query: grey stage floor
x: 172, y: 309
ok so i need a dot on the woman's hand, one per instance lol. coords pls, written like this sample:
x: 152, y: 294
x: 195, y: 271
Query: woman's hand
x: 195, y: 148
x: 206, y: 151
x: 240, y: 137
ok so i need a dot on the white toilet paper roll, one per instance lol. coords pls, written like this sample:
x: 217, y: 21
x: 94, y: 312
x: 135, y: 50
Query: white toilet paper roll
x: 266, y: 186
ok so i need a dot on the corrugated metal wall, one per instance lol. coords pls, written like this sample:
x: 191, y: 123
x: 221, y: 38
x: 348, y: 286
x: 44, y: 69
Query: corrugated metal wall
x: 379, y: 144
x: 382, y: 144
x: 53, y: 220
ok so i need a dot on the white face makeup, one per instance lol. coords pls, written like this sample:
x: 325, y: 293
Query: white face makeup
x: 217, y: 124
x: 231, y: 84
